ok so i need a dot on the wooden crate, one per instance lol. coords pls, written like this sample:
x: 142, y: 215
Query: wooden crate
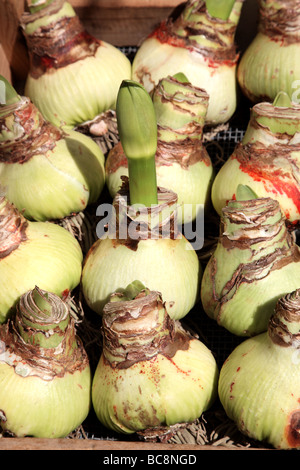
x: 121, y: 23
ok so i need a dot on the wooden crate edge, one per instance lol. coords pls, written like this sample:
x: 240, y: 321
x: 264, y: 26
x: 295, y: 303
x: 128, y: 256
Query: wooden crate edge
x: 29, y: 443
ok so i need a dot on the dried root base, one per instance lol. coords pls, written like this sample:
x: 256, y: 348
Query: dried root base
x: 210, y: 132
x: 161, y: 433
x: 102, y: 129
x: 88, y: 326
x: 78, y: 433
x: 216, y: 153
x: 212, y: 429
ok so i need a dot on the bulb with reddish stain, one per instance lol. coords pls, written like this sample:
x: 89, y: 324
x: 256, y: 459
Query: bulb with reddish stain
x: 144, y: 354
x: 267, y: 159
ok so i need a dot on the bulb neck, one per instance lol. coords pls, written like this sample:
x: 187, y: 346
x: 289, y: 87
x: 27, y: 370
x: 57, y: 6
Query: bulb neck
x: 12, y: 228
x: 280, y: 20
x: 133, y: 223
x: 257, y: 225
x: 37, y: 5
x: 25, y: 133
x: 180, y: 110
x: 205, y: 30
x: 271, y: 125
x: 40, y: 338
x: 135, y: 330
x: 284, y: 325
x: 254, y: 236
x: 42, y: 319
x: 56, y: 38
x: 18, y: 120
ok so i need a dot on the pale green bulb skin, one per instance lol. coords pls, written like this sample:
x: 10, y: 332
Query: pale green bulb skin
x: 231, y: 175
x: 82, y: 90
x: 142, y: 396
x: 154, y: 61
x: 58, y: 183
x: 50, y: 258
x: 259, y: 389
x: 248, y: 312
x: 113, y: 179
x: 41, y: 408
x: 168, y: 266
x: 260, y: 72
x: 192, y: 185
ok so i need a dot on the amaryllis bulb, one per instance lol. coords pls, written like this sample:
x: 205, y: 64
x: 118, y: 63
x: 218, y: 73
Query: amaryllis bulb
x: 45, y: 377
x: 73, y: 77
x: 201, y: 46
x: 256, y: 261
x: 259, y: 381
x: 45, y: 172
x: 143, y: 243
x: 271, y: 61
x: 267, y: 159
x: 34, y: 253
x: 182, y: 162
x: 145, y: 354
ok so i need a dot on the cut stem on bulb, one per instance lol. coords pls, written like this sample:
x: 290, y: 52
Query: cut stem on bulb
x: 8, y: 95
x: 37, y: 5
x: 220, y: 8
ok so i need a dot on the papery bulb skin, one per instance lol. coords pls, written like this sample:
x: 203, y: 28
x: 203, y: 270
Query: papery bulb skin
x: 267, y: 159
x: 147, y: 245
x: 45, y: 377
x: 46, y: 173
x: 34, y: 253
x: 73, y: 76
x: 145, y: 353
x: 202, y: 47
x: 270, y: 64
x: 255, y: 262
x: 259, y: 382
x: 182, y: 162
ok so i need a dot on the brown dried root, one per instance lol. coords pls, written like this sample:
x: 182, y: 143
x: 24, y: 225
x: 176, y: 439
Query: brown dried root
x: 102, y: 129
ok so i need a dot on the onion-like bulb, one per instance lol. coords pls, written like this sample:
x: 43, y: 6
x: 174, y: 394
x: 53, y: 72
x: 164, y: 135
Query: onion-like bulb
x: 45, y: 172
x: 271, y: 62
x: 259, y: 382
x: 267, y: 159
x: 199, y: 43
x: 182, y: 162
x: 73, y: 77
x: 151, y: 373
x: 256, y: 261
x: 34, y: 253
x: 143, y: 244
x: 45, y: 377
